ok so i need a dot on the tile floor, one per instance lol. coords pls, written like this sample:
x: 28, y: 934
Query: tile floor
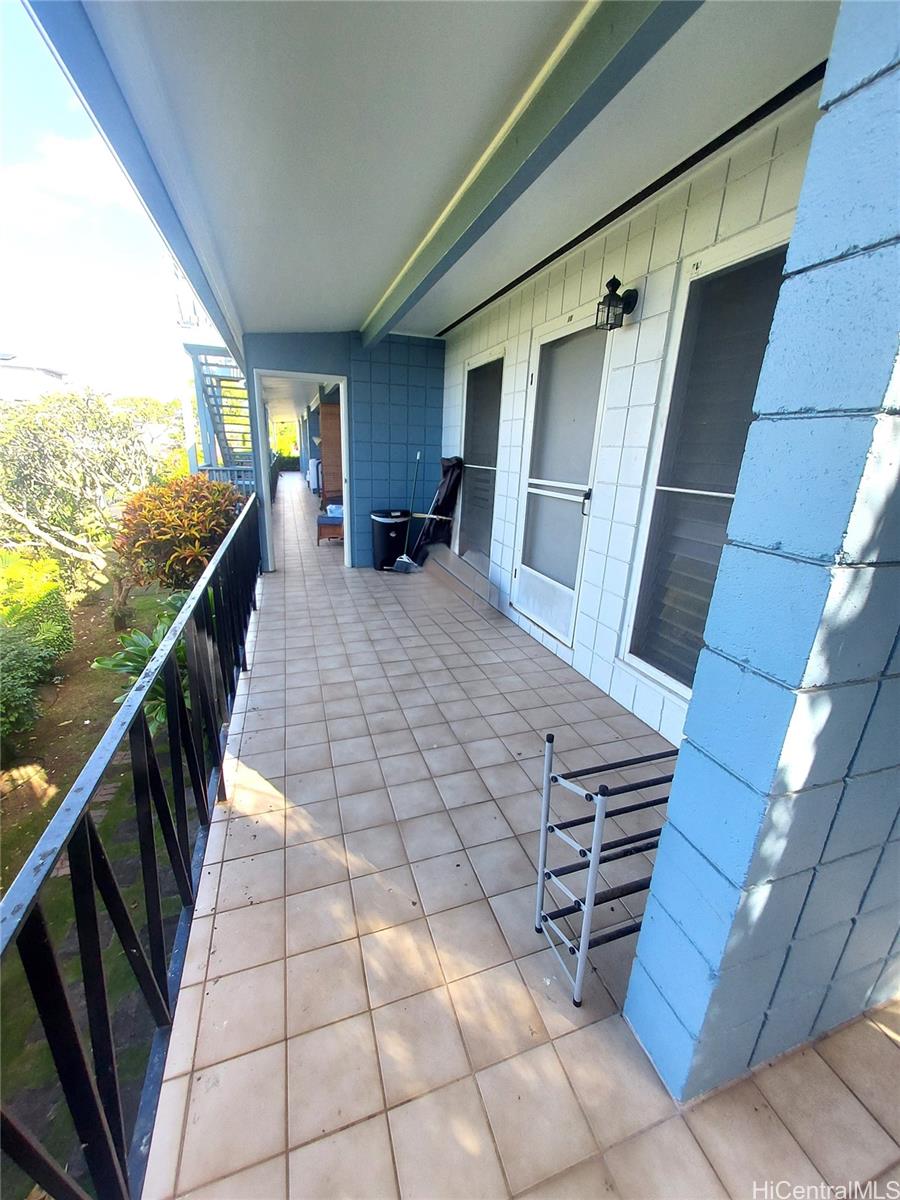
x: 366, y: 1010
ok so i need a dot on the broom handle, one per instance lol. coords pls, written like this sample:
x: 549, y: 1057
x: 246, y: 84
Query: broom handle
x: 412, y: 503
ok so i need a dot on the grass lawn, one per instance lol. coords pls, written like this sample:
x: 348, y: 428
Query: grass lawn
x: 76, y: 712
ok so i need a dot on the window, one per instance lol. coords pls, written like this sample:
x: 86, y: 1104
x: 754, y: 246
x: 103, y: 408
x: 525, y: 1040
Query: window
x: 484, y: 386
x: 726, y: 329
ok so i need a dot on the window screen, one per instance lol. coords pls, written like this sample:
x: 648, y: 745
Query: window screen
x: 483, y: 391
x: 726, y: 329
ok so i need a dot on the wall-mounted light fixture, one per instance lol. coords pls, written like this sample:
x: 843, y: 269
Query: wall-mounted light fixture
x: 613, y: 307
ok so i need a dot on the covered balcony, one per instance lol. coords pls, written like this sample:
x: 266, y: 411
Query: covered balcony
x: 632, y: 269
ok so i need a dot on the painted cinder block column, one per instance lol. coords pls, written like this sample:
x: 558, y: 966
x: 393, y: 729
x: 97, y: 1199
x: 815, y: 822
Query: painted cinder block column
x: 774, y: 909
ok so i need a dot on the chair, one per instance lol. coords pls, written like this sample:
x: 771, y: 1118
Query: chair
x: 329, y: 528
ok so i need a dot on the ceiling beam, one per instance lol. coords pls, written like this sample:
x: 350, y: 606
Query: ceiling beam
x: 604, y: 48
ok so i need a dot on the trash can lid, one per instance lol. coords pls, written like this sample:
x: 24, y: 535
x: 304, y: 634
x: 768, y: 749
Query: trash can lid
x: 390, y: 516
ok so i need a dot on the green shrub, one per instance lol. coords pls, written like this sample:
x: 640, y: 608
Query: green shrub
x: 137, y: 650
x: 32, y: 600
x: 24, y: 664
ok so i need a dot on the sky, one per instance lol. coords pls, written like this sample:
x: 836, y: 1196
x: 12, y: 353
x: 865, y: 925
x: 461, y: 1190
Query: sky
x: 87, y: 285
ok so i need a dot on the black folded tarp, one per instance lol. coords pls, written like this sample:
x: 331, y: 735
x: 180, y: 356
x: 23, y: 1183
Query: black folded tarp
x: 435, y: 531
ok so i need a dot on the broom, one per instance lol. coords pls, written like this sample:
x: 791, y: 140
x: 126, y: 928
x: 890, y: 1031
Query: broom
x: 404, y: 564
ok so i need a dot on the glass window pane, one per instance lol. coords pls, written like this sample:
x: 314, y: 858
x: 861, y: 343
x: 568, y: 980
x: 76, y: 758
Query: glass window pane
x: 687, y: 534
x: 552, y: 539
x: 483, y: 388
x: 726, y: 330
x: 566, y: 406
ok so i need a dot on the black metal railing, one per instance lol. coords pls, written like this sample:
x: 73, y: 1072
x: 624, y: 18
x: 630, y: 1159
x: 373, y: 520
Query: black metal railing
x: 176, y: 777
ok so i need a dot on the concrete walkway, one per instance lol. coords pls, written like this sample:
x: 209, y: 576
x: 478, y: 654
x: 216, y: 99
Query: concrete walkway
x: 366, y: 1010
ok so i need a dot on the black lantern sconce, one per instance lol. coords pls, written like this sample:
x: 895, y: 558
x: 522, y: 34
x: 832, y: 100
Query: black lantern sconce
x: 613, y: 307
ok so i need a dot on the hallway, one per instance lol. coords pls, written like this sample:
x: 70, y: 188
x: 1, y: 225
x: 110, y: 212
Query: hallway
x: 366, y: 1010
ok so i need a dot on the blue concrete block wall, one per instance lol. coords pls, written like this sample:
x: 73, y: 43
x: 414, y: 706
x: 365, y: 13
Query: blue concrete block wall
x: 395, y: 393
x: 775, y: 903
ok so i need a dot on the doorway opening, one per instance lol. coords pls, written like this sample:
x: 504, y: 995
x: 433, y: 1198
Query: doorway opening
x: 317, y: 407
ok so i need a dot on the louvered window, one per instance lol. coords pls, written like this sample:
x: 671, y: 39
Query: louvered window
x: 726, y: 329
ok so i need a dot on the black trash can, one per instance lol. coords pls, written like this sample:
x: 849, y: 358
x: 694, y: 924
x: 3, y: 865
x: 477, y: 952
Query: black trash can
x: 389, y: 526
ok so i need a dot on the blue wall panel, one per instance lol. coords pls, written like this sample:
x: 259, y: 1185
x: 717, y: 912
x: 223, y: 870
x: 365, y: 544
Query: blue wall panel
x: 396, y: 396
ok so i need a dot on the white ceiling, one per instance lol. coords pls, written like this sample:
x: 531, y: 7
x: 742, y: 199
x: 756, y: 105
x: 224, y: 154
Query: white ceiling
x: 308, y: 146
x: 729, y: 58
x: 286, y: 397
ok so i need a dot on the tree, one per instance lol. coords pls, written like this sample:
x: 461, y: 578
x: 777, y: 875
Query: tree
x: 67, y: 463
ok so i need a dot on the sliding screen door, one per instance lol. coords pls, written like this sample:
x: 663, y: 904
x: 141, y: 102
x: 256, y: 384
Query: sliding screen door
x: 565, y: 404
x: 482, y: 428
x: 726, y: 329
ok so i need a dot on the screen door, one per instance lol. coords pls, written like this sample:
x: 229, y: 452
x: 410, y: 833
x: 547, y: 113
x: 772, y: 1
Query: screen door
x: 565, y: 403
x: 482, y: 427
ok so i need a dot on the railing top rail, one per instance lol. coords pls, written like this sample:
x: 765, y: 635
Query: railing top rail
x: 22, y: 892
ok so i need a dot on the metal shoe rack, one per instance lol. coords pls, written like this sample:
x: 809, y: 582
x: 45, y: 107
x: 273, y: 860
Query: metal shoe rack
x: 590, y: 859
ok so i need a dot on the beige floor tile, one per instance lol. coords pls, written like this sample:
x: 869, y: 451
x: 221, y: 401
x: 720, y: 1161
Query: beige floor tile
x: 462, y: 787
x: 514, y: 912
x: 219, y: 1139
x: 301, y: 760
x: 507, y: 779
x: 265, y: 1181
x: 619, y: 1089
x: 358, y: 777
x: 842, y: 1139
x: 352, y: 750
x: 319, y: 917
x: 394, y: 741
x: 255, y: 835
x: 337, y: 1067
x: 312, y: 733
x: 887, y: 1018
x: 162, y: 1163
x: 325, y: 985
x: 180, y: 1055
x: 588, y: 1180
x: 487, y: 752
x: 399, y: 962
x: 311, y: 822
x: 415, y: 799
x: 251, y: 880
x: 445, y: 760
x: 207, y: 889
x: 262, y: 740
x: 869, y: 1063
x: 376, y: 849
x: 366, y: 810
x: 246, y: 937
x: 444, y: 1149
x: 419, y: 1045
x: 197, y: 956
x: 551, y: 991
x: 355, y: 1164
x: 522, y: 812
x: 429, y: 836
x: 446, y: 881
x: 746, y: 1142
x: 241, y: 1012
x: 663, y: 1163
x: 522, y: 1096
x: 479, y: 823
x: 404, y: 768
x: 497, y: 1016
x: 502, y: 866
x: 311, y: 787
x: 468, y: 939
x: 315, y: 864
x: 385, y: 898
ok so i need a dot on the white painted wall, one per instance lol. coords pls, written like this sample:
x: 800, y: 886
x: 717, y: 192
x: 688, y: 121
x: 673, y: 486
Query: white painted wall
x: 754, y: 180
